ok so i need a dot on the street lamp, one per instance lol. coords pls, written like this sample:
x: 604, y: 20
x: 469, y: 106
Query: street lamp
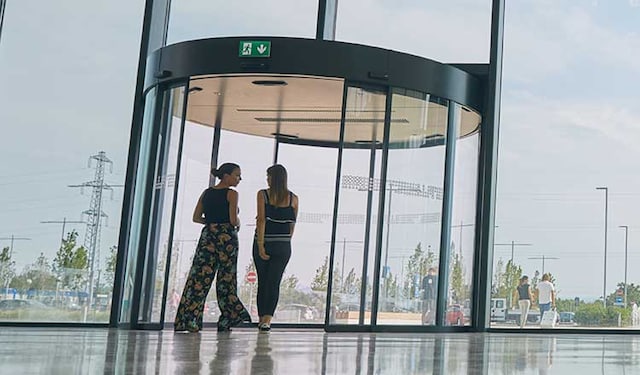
x: 513, y: 245
x: 543, y: 257
x: 344, y: 249
x: 626, y: 240
x: 606, y: 215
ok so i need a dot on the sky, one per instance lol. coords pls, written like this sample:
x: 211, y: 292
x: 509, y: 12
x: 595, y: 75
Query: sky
x: 570, y: 117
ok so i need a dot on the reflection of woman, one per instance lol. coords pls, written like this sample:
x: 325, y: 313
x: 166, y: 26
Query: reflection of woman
x: 216, y: 256
x: 262, y: 363
x: 524, y: 299
x: 277, y: 211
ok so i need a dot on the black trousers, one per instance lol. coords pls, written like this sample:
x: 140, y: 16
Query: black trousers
x: 270, y: 274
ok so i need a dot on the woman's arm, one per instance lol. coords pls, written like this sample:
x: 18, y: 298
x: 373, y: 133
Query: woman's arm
x: 232, y: 197
x: 530, y: 295
x: 294, y: 204
x: 260, y: 225
x: 198, y: 212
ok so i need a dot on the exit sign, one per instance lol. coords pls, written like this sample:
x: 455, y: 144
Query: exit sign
x: 254, y: 48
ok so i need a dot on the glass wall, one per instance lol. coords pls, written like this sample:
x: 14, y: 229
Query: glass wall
x: 67, y: 79
x: 570, y: 121
x: 196, y: 19
x: 447, y: 31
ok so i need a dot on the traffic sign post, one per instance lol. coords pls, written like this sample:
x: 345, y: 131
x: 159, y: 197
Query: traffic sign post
x: 254, y: 48
x: 251, y: 278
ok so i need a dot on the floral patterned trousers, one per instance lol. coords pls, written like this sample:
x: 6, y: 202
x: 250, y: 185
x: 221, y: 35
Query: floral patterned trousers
x: 216, y: 256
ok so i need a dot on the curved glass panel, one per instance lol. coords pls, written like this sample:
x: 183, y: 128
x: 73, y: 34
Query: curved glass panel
x: 356, y: 231
x: 163, y: 208
x: 258, y: 120
x: 412, y: 224
x: 463, y: 217
x: 195, y: 19
x: 194, y: 177
x: 139, y: 198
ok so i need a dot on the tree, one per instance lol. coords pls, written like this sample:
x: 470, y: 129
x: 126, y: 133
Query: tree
x: 289, y: 282
x: 458, y: 288
x: 7, y: 268
x: 417, y: 265
x: 71, y: 263
x: 110, y: 267
x: 321, y: 278
x: 37, y: 276
x: 352, y: 283
x: 498, y: 274
x: 507, y: 281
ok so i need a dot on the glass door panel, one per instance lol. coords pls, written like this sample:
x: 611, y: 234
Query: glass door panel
x: 303, y: 292
x: 234, y: 147
x: 162, y: 209
x: 356, y: 229
x: 413, y: 209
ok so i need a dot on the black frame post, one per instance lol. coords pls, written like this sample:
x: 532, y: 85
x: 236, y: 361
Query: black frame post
x: 327, y: 19
x: 447, y: 208
x: 154, y: 35
x: 487, y: 174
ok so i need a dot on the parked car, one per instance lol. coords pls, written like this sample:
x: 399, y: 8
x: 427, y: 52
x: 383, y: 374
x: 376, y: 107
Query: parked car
x: 567, y: 317
x: 296, y: 312
x: 455, y: 315
x: 19, y: 304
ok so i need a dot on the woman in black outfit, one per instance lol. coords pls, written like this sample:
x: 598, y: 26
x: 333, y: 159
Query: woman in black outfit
x: 524, y: 299
x: 216, y: 256
x: 277, y: 212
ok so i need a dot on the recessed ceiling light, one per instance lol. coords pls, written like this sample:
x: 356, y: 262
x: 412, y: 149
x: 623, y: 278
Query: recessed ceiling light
x: 287, y: 136
x: 267, y: 82
x: 366, y: 142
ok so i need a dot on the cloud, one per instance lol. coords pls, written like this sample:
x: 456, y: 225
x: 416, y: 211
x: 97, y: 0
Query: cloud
x: 542, y: 41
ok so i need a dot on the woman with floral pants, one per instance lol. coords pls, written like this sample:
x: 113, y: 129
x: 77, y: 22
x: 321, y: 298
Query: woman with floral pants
x: 216, y: 256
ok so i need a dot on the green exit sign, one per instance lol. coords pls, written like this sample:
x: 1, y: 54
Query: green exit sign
x: 254, y: 48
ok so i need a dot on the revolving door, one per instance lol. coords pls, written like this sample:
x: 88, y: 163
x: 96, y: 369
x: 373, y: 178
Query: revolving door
x: 381, y: 147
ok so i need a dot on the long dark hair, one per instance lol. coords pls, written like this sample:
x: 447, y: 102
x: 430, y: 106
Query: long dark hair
x: 278, y: 189
x: 226, y: 168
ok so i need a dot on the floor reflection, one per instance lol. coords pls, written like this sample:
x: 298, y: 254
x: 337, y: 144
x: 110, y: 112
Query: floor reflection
x: 245, y: 351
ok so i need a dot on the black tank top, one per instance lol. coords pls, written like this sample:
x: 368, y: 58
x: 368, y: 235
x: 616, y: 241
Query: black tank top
x: 278, y: 219
x: 523, y: 291
x: 216, y: 206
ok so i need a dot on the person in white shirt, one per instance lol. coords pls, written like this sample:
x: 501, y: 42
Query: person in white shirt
x: 546, y: 294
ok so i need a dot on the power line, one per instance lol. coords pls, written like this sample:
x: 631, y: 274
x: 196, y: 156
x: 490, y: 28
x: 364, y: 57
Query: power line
x: 14, y: 238
x: 64, y: 222
x: 513, y: 245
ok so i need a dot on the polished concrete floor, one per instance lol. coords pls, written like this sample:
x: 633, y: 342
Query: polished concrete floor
x: 245, y: 351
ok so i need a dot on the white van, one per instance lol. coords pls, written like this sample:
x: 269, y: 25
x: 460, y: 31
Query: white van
x: 498, y: 309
